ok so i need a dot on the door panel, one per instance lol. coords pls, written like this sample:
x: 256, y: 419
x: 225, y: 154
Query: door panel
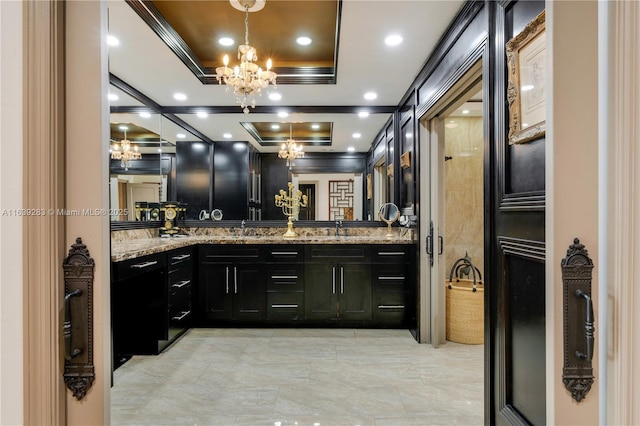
x: 249, y: 300
x: 516, y: 277
x: 320, y: 291
x: 355, y: 291
x: 215, y: 291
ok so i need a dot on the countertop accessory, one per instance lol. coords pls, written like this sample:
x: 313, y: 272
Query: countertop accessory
x: 290, y: 204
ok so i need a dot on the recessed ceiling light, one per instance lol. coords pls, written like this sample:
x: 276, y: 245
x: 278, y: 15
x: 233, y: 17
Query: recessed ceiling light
x: 363, y: 114
x: 202, y: 114
x: 179, y: 96
x: 393, y: 40
x: 122, y: 127
x: 227, y: 136
x: 181, y: 135
x: 465, y: 111
x: 275, y: 96
x: 356, y: 135
x: 303, y: 41
x: 113, y: 97
x: 351, y: 149
x: 144, y: 114
x: 370, y: 96
x: 315, y: 126
x: 159, y: 149
x: 525, y: 124
x: 112, y: 40
x: 226, y: 41
x: 527, y: 87
x: 408, y: 135
x: 275, y: 126
x: 283, y: 114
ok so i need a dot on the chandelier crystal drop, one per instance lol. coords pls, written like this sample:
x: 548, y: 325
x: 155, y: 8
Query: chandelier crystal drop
x: 247, y: 79
x: 125, y: 152
x: 290, y: 150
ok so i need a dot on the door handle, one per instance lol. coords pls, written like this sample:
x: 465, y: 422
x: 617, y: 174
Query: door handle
x: 342, y: 280
x: 441, y: 241
x: 429, y: 242
x: 333, y: 278
x: 227, y: 278
x: 578, y: 329
x: 79, y: 373
x: 235, y: 279
x: 69, y: 353
x: 589, y: 329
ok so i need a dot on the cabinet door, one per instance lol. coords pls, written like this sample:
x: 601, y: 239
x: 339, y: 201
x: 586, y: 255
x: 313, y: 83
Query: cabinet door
x: 215, y: 285
x: 320, y: 295
x: 355, y: 291
x: 249, y: 288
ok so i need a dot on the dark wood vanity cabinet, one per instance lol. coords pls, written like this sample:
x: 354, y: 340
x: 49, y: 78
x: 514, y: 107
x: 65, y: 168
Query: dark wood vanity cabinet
x: 338, y: 282
x: 139, y: 305
x: 393, y: 284
x: 285, y: 283
x: 151, y: 301
x: 180, y: 291
x: 231, y: 283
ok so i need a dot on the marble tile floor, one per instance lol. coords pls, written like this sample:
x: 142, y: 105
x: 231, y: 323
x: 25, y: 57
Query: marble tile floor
x: 287, y: 377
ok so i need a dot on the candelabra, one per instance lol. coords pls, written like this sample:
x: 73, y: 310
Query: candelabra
x: 290, y: 204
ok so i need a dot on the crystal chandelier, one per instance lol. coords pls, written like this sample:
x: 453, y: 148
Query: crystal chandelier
x: 290, y: 150
x: 247, y: 78
x: 125, y: 152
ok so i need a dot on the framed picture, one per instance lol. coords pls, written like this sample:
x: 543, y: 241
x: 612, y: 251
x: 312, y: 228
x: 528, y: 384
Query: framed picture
x: 526, y: 91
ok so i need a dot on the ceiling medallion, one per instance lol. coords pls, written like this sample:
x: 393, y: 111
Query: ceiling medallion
x: 125, y: 152
x: 290, y: 150
x: 247, y: 78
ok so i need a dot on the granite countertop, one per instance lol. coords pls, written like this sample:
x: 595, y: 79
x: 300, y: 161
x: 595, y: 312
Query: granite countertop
x: 132, y: 248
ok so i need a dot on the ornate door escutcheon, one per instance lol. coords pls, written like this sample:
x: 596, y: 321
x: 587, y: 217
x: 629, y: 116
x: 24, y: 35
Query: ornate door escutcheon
x: 77, y: 329
x: 579, y: 338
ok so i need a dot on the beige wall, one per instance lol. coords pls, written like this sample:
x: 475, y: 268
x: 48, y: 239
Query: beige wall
x: 572, y: 183
x: 464, y: 197
x: 11, y: 343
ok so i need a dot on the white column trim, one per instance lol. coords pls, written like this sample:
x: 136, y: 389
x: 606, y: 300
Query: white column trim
x: 43, y: 188
x: 623, y: 346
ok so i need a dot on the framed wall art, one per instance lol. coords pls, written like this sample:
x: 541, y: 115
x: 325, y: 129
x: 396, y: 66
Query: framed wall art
x: 526, y: 91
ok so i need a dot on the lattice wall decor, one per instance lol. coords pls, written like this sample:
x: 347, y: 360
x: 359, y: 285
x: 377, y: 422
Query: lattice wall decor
x: 340, y: 200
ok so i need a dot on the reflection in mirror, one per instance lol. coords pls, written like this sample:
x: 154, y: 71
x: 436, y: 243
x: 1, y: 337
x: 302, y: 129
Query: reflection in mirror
x: 389, y: 213
x: 330, y: 196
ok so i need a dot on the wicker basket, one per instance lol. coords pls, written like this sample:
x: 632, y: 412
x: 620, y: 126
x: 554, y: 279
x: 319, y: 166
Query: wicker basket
x: 465, y: 306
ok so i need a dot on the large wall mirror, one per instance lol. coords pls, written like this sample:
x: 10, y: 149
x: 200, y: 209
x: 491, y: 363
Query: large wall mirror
x: 240, y: 180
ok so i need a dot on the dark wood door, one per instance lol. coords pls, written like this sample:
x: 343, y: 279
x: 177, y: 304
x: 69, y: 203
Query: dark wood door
x: 354, y: 295
x: 249, y: 292
x: 516, y: 283
x: 320, y: 293
x: 308, y: 212
x: 215, y: 295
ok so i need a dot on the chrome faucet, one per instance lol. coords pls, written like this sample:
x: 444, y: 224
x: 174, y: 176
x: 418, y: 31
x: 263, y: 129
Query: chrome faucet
x: 338, y: 226
x: 245, y: 231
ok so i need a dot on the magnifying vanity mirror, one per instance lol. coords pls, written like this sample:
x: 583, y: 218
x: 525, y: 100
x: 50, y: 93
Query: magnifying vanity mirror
x: 389, y: 213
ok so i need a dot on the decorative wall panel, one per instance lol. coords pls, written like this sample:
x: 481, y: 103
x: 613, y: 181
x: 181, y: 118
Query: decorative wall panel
x: 341, y: 200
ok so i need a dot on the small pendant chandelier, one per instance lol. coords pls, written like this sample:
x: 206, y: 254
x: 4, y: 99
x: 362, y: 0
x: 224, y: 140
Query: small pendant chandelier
x: 290, y: 150
x: 247, y: 79
x: 125, y: 152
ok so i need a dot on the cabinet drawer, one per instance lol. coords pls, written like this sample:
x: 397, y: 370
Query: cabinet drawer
x: 180, y: 274
x: 391, y: 277
x: 391, y: 306
x: 392, y: 253
x: 139, y: 265
x: 229, y: 252
x: 179, y: 256
x: 285, y: 277
x: 286, y: 254
x: 281, y: 305
x: 343, y: 253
